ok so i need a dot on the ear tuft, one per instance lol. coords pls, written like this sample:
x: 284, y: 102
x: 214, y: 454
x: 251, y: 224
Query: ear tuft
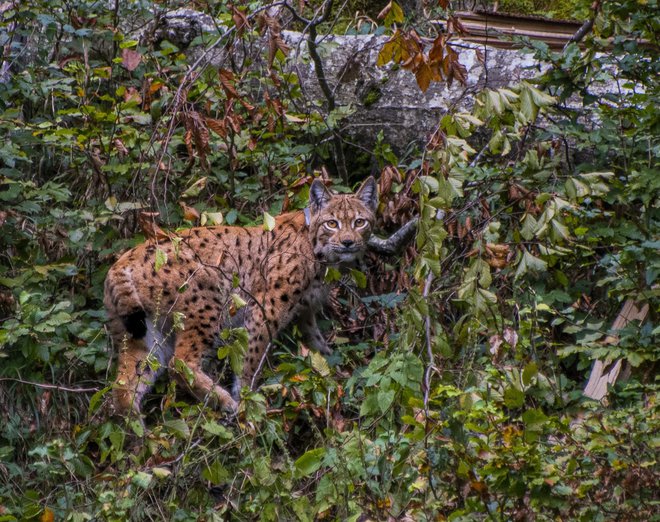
x: 368, y: 193
x: 319, y: 195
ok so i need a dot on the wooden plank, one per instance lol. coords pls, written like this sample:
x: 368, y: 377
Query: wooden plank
x: 604, y: 373
x: 489, y: 28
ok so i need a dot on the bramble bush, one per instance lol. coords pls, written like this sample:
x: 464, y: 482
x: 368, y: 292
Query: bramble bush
x: 538, y: 220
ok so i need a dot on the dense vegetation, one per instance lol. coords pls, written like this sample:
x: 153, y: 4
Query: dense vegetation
x: 455, y: 390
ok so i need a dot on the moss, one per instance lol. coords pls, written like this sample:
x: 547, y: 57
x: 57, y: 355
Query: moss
x: 371, y: 96
x: 558, y: 9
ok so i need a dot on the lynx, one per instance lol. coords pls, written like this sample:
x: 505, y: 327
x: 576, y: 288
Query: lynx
x: 168, y: 301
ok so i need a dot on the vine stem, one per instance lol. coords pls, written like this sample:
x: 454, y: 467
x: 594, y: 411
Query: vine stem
x: 429, y: 349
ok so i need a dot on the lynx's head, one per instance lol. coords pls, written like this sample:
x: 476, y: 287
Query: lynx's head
x: 340, y: 224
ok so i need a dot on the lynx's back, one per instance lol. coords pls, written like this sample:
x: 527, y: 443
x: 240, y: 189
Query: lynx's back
x: 168, y: 301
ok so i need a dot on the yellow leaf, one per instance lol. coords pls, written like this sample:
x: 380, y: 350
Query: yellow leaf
x: 194, y: 189
x: 213, y: 218
x: 47, y: 515
x: 320, y: 364
x: 269, y: 222
x: 239, y: 302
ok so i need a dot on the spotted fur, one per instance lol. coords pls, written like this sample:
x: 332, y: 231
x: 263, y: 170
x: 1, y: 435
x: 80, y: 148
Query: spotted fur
x: 279, y: 273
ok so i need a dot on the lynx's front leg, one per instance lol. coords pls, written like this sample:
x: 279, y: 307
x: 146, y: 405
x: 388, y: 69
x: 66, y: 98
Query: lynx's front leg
x: 268, y: 316
x: 310, y: 331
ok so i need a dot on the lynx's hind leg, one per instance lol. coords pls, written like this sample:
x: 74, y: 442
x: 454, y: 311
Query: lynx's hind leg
x: 186, y: 368
x: 142, y: 355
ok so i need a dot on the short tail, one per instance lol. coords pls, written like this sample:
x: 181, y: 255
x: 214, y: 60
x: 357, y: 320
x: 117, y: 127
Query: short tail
x: 122, y: 301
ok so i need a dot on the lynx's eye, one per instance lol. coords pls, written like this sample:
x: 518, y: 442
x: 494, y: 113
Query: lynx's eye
x: 332, y: 224
x: 359, y: 223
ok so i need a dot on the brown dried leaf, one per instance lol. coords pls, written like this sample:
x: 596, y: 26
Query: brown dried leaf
x: 510, y: 336
x: 452, y: 68
x: 188, y: 140
x: 227, y: 81
x: 495, y: 341
x: 481, y: 58
x: 151, y: 230
x: 384, y: 12
x: 130, y: 59
x: 132, y: 95
x: 437, y: 49
x: 423, y: 74
x: 155, y: 86
x: 454, y: 24
x: 240, y: 20
x: 189, y: 213
x: 121, y: 148
x: 388, y: 176
x: 275, y: 41
x: 217, y: 126
x: 301, y: 182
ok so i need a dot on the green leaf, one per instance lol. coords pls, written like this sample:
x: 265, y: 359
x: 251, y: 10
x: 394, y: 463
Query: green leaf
x: 216, y: 473
x: 369, y: 405
x: 184, y: 371
x: 529, y: 227
x: 310, y: 462
x: 137, y: 427
x: 332, y: 275
x: 178, y: 427
x: 211, y: 218
x: 394, y: 15
x: 385, y: 399
x: 218, y: 430
x: 527, y: 107
x: 359, y: 277
x: 161, y: 259
x: 529, y: 263
x: 142, y: 479
x: 95, y: 400
x: 530, y: 371
x: 534, y: 419
x: 235, y: 347
x: 513, y: 397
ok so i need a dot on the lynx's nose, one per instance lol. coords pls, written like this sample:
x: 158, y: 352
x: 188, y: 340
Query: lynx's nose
x: 347, y: 242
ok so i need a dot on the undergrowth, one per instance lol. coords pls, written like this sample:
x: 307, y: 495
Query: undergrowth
x: 456, y: 387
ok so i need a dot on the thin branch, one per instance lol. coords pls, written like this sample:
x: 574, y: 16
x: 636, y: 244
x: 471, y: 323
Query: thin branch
x: 588, y: 25
x: 50, y: 386
x: 312, y: 47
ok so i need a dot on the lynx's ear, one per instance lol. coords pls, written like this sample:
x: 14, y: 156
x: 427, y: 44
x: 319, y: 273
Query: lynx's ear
x: 368, y: 193
x: 319, y: 195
